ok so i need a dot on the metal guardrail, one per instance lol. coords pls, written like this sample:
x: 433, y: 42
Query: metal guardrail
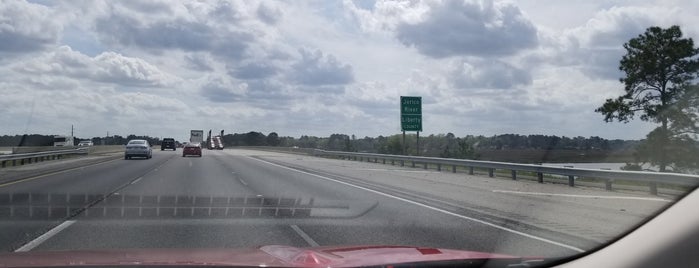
x: 652, y: 178
x: 28, y: 158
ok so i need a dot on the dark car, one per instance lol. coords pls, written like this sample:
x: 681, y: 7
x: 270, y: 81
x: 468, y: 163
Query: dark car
x: 168, y: 143
x: 191, y: 149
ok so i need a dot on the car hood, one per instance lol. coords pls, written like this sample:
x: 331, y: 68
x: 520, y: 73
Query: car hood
x: 265, y: 256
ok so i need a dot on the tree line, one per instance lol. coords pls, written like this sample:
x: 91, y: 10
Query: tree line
x: 447, y: 145
x: 440, y: 145
x: 47, y: 140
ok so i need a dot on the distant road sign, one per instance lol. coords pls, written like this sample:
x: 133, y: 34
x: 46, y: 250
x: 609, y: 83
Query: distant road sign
x: 411, y: 122
x: 410, y: 113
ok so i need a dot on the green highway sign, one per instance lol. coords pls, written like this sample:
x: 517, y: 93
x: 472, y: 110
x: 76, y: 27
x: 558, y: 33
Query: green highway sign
x: 410, y: 113
x: 410, y: 105
x: 411, y: 122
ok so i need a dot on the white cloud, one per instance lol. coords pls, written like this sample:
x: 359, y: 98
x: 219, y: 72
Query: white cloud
x: 107, y: 67
x: 26, y: 27
x: 453, y: 27
x: 219, y: 88
x: 315, y: 69
x: 480, y: 73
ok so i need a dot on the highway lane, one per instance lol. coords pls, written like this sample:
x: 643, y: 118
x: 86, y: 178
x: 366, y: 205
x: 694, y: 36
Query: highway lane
x: 592, y: 216
x: 345, y: 210
x: 103, y: 178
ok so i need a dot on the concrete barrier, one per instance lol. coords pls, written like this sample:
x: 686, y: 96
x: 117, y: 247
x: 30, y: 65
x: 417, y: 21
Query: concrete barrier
x: 91, y: 149
x: 36, y: 149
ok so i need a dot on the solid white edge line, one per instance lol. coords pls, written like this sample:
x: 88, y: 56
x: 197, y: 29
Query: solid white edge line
x: 432, y: 208
x: 41, y: 239
x: 305, y: 236
x: 137, y: 180
x: 584, y: 196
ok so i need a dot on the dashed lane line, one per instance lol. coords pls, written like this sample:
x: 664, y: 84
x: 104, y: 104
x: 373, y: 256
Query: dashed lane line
x: 37, y: 241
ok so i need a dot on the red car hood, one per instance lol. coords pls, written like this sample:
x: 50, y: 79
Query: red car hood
x: 265, y: 256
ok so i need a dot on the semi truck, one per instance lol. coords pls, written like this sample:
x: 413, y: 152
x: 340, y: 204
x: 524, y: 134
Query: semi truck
x: 60, y: 140
x: 196, y: 136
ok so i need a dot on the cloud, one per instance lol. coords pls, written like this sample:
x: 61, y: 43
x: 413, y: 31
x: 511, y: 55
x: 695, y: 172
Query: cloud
x: 107, y: 67
x: 597, y: 46
x: 267, y: 14
x: 316, y: 69
x: 220, y: 88
x: 481, y: 73
x: 254, y: 70
x: 453, y: 27
x: 199, y: 61
x: 26, y: 27
x: 222, y: 29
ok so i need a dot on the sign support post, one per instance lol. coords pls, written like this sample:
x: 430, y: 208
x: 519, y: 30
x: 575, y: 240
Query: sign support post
x: 403, y: 144
x: 418, y: 144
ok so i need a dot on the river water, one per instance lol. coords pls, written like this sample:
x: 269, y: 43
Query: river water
x: 607, y: 166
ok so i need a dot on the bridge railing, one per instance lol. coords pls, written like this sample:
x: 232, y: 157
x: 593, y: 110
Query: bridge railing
x: 652, y: 179
x: 28, y: 158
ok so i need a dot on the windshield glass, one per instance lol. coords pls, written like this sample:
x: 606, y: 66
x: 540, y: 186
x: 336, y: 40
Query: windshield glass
x: 501, y: 129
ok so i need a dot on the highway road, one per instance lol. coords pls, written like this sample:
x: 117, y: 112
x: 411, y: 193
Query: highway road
x: 243, y: 198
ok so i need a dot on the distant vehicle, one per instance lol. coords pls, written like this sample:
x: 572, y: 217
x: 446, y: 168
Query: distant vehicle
x: 191, y: 149
x: 85, y: 143
x: 216, y: 143
x: 196, y: 136
x: 138, y: 148
x: 168, y: 143
x: 60, y: 140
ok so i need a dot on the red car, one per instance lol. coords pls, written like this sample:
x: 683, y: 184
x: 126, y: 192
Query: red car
x: 191, y: 149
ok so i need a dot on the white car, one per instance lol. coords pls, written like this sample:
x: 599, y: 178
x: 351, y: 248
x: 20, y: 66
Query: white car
x: 138, y: 148
x: 85, y: 143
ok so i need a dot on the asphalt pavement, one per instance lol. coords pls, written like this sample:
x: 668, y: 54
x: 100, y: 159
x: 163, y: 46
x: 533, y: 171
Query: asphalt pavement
x: 245, y: 198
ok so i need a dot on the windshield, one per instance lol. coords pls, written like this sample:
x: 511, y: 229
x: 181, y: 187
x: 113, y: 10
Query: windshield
x: 430, y: 129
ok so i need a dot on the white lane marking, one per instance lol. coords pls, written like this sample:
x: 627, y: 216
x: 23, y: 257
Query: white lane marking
x: 585, y: 196
x: 190, y: 163
x: 398, y: 170
x: 431, y: 207
x: 305, y: 236
x: 243, y: 182
x: 41, y: 239
x: 136, y: 180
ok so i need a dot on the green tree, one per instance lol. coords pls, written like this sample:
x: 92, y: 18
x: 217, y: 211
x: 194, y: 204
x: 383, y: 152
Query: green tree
x: 659, y: 67
x: 273, y: 139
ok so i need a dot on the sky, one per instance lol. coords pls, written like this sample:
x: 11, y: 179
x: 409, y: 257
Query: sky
x: 161, y: 68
